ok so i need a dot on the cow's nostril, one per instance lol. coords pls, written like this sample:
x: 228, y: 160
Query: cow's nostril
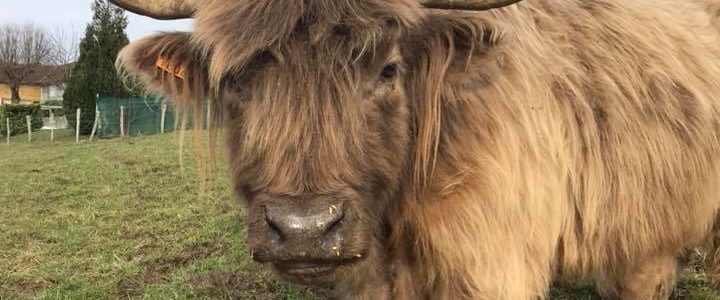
x: 274, y: 227
x: 334, y: 223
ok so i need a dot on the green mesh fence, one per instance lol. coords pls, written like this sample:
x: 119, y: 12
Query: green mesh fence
x: 142, y: 116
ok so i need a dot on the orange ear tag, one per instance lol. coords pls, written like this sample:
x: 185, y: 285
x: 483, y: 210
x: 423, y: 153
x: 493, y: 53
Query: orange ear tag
x: 162, y: 64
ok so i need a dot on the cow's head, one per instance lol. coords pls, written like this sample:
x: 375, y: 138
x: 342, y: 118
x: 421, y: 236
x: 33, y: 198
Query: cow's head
x: 331, y: 110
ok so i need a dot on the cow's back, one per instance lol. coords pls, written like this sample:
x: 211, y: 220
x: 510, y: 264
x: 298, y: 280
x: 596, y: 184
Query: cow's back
x: 637, y: 87
x: 604, y: 115
x: 586, y: 140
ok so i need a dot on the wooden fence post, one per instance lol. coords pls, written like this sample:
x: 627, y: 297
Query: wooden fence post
x: 163, y: 111
x: 7, y: 127
x: 122, y: 121
x: 52, y: 129
x: 95, y: 123
x: 28, y: 121
x: 77, y: 126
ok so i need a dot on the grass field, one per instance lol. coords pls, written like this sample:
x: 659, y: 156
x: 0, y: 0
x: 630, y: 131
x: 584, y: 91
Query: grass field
x: 117, y: 219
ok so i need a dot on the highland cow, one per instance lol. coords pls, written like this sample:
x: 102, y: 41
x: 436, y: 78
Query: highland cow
x: 465, y: 149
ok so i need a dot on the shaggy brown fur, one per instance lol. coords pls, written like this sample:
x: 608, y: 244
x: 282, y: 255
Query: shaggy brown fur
x: 549, y: 138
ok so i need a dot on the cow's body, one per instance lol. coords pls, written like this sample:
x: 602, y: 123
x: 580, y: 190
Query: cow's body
x: 567, y: 137
x: 594, y: 150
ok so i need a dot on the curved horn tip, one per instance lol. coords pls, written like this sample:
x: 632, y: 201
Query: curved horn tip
x: 467, y: 4
x: 158, y: 9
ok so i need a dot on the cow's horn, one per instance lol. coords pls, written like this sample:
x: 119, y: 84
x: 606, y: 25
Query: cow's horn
x: 158, y: 9
x: 467, y: 4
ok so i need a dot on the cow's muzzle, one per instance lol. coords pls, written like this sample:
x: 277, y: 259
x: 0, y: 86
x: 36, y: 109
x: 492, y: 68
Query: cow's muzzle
x: 304, y: 240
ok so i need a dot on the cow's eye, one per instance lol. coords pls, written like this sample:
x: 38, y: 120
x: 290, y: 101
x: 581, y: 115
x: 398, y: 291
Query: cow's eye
x: 389, y: 72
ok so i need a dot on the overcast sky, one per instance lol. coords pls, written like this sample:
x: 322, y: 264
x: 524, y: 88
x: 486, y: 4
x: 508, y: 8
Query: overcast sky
x: 76, y: 14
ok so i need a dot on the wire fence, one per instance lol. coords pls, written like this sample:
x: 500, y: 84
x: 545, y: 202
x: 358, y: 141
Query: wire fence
x: 133, y: 117
x: 115, y: 117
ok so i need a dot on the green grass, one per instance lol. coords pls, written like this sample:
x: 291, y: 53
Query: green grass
x: 117, y: 219
x: 42, y: 137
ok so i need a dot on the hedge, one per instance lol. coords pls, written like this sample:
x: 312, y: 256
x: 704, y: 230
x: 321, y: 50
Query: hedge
x: 17, y: 113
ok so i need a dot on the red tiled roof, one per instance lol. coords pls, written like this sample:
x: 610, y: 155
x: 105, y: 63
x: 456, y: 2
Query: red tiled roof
x: 45, y: 75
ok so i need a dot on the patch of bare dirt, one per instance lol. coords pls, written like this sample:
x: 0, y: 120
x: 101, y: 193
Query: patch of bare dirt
x: 255, y: 284
x: 139, y: 251
x: 32, y: 287
x: 133, y: 286
x: 232, y: 282
x: 188, y: 255
x: 157, y: 269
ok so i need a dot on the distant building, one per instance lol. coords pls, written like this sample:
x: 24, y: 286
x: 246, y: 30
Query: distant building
x: 46, y: 84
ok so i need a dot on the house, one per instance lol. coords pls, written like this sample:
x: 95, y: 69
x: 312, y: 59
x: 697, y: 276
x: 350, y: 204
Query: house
x: 45, y: 84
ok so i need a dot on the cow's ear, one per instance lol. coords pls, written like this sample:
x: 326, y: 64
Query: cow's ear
x: 168, y: 64
x: 443, y: 52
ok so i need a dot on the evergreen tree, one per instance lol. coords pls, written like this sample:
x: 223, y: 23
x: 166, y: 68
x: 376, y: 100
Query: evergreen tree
x: 94, y: 72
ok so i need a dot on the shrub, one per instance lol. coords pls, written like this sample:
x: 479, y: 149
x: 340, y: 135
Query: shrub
x: 16, y: 113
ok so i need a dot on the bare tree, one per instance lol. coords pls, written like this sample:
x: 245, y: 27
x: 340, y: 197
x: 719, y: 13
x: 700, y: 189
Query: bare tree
x: 23, y: 50
x: 66, y: 42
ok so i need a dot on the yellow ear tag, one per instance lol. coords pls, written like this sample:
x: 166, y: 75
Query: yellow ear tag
x: 162, y: 64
